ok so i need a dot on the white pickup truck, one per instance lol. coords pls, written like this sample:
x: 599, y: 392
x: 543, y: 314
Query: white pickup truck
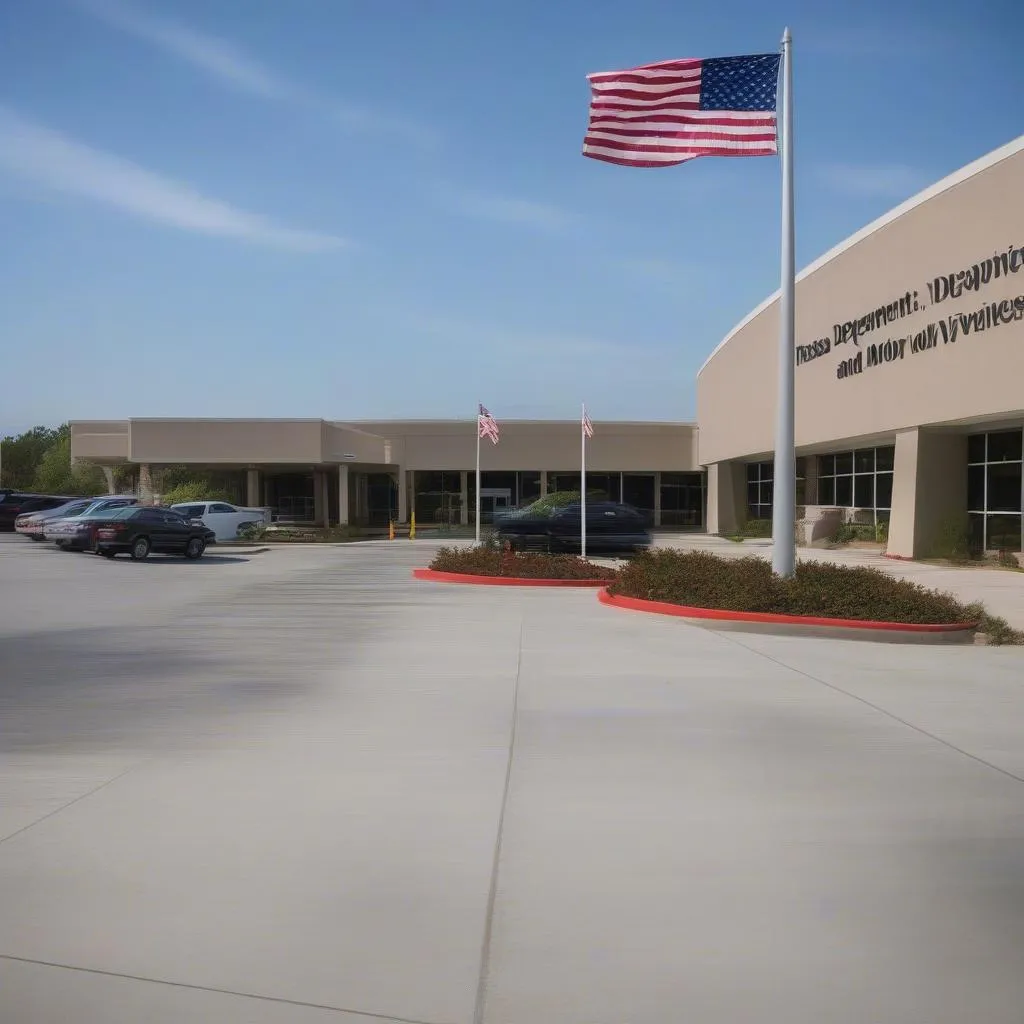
x: 222, y: 518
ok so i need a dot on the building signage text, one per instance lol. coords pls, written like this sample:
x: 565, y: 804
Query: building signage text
x: 957, y: 285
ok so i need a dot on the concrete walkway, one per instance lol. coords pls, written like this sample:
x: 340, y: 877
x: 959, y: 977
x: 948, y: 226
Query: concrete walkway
x: 305, y: 788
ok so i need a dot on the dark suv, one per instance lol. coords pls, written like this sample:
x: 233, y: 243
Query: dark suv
x: 12, y: 504
x: 611, y: 527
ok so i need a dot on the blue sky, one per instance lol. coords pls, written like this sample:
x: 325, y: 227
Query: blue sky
x: 357, y: 209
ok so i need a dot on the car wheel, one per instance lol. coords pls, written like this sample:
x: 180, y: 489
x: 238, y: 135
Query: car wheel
x: 194, y: 548
x: 140, y: 549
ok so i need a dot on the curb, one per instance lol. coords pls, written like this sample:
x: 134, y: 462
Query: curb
x: 435, y: 576
x: 959, y: 631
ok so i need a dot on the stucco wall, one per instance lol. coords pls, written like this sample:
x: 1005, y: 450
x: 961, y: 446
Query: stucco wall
x: 941, y: 358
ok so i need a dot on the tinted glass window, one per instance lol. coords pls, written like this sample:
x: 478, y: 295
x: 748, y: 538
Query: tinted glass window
x: 976, y: 448
x: 864, y: 460
x: 844, y: 463
x: 220, y: 507
x: 190, y: 510
x: 1005, y: 446
x: 864, y: 491
x: 844, y: 491
x: 1004, y: 487
x: 976, y: 488
x: 883, y: 490
x: 886, y: 457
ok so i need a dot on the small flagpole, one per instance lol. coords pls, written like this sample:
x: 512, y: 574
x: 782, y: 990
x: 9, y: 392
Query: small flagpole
x: 478, y: 473
x: 583, y: 483
x: 784, y: 488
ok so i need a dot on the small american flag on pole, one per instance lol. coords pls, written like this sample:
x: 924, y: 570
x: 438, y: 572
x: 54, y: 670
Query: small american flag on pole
x: 588, y: 427
x: 666, y: 113
x: 487, y: 426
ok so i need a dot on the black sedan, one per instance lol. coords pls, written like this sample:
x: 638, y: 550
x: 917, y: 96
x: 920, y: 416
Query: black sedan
x: 139, y: 531
x: 611, y: 527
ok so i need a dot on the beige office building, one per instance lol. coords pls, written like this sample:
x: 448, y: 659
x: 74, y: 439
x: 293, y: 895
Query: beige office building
x: 909, y: 406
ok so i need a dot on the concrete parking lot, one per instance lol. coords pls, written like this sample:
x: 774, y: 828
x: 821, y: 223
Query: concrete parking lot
x: 299, y: 786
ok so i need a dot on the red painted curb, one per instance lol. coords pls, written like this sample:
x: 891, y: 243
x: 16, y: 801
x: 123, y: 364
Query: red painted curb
x: 689, y: 612
x: 500, y: 581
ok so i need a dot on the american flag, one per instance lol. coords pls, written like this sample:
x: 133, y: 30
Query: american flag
x: 487, y: 426
x: 588, y: 427
x: 663, y: 114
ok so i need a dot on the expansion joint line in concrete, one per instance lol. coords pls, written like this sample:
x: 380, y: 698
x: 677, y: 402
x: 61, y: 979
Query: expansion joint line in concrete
x: 213, y: 990
x: 485, y: 945
x: 70, y: 803
x: 883, y: 711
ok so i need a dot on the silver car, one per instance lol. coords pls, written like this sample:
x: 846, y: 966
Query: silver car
x: 74, y: 533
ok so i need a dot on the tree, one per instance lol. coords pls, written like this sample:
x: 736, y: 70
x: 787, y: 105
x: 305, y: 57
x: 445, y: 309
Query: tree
x: 21, y: 456
x: 55, y: 474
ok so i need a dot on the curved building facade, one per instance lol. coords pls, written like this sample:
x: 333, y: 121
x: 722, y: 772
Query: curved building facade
x: 909, y: 375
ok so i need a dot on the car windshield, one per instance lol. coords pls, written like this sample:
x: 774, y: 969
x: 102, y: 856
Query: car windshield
x: 121, y: 512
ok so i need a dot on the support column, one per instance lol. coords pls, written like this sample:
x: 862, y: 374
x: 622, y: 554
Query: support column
x: 145, y: 484
x: 726, y: 497
x: 319, y: 504
x: 406, y: 479
x: 543, y: 483
x: 657, y: 500
x: 464, y: 497
x: 252, y: 487
x: 929, y: 490
x: 343, y: 495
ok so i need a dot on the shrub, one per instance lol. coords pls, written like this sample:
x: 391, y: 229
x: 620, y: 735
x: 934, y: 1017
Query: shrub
x: 882, y: 532
x: 700, y: 579
x: 756, y: 528
x: 1008, y: 560
x: 846, y: 533
x: 493, y: 560
x: 953, y: 541
x: 192, y: 490
x: 558, y: 499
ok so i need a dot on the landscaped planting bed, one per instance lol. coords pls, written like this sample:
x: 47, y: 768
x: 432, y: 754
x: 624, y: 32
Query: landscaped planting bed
x: 819, y: 590
x: 489, y: 560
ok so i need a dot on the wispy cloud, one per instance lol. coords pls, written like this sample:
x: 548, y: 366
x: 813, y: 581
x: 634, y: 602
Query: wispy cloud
x: 212, y: 55
x: 508, y: 210
x: 886, y: 181
x: 238, y: 70
x: 49, y: 158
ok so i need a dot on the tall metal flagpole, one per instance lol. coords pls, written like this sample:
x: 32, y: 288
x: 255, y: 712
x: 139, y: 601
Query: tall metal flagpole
x: 784, y: 497
x: 583, y: 483
x: 478, y: 473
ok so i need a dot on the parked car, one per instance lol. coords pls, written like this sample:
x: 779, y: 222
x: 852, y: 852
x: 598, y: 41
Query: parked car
x: 75, y: 533
x: 11, y: 504
x: 611, y: 527
x: 31, y: 521
x: 139, y: 530
x: 224, y: 519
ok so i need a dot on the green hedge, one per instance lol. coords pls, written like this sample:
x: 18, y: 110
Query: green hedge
x: 703, y: 580
x: 491, y: 560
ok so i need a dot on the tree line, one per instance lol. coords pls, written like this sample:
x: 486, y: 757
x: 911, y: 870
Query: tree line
x: 39, y: 461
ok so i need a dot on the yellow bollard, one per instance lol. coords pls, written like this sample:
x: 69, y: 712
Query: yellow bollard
x: 391, y: 529
x: 412, y: 526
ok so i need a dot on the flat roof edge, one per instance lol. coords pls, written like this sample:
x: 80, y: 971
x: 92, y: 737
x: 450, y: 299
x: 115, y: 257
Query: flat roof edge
x: 944, y: 185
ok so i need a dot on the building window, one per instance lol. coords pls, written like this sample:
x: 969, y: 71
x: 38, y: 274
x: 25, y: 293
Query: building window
x: 995, y: 489
x: 859, y: 479
x: 682, y: 500
x: 438, y: 497
x: 760, y: 487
